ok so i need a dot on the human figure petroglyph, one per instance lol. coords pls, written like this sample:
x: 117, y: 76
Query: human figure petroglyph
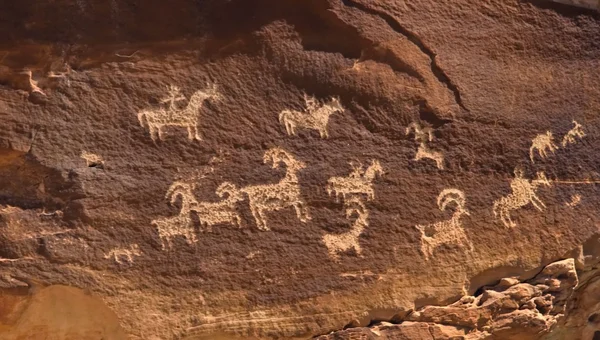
x: 92, y: 159
x: 541, y: 143
x: 424, y: 135
x: 523, y: 193
x: 127, y: 254
x: 575, y: 132
x: 449, y: 231
x: 359, y: 181
x: 224, y: 211
x: 187, y: 117
x: 337, y: 243
x: 315, y: 117
x: 285, y: 193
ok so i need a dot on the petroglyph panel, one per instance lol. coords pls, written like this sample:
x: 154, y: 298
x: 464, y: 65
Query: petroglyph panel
x: 448, y: 231
x: 187, y: 117
x: 423, y: 136
x: 358, y: 182
x: 542, y: 144
x: 315, y: 116
x: 523, y: 193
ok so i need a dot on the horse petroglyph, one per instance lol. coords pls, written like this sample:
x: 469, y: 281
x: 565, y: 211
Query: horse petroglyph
x: 315, y: 117
x: 187, y: 117
x: 449, y: 231
x: 523, y: 193
x: 541, y: 143
x: 124, y: 254
x: 273, y: 197
x: 424, y: 136
x: 575, y: 132
x: 337, y: 243
x: 359, y: 182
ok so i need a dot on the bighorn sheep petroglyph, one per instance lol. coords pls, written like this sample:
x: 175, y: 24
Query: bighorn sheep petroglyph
x: 337, y: 243
x: 273, y: 197
x: 523, y: 193
x: 358, y: 182
x: 541, y: 143
x: 315, y: 117
x: 178, y: 225
x: 449, y: 231
x: 187, y: 117
x: 424, y: 136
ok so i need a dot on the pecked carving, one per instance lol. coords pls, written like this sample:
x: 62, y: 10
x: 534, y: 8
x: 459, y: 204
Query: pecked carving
x: 423, y: 136
x: 315, y: 117
x: 337, y: 243
x: 542, y: 143
x: 358, y: 182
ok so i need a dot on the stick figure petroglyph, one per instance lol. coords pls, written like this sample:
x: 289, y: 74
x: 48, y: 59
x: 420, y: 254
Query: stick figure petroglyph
x: 187, y: 117
x: 360, y: 181
x: 541, y: 143
x: 523, y: 193
x: 424, y: 136
x: 315, y: 117
x: 449, y: 231
x: 337, y: 243
x: 575, y: 132
x: 285, y: 193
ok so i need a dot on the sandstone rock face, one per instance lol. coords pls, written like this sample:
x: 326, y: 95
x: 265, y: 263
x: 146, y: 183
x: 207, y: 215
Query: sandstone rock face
x: 261, y: 169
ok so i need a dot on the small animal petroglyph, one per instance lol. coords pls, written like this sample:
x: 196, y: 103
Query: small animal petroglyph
x: 523, y: 193
x: 575, y: 132
x: 575, y: 200
x: 92, y: 159
x: 337, y: 243
x: 124, y: 254
x: 273, y: 197
x: 315, y: 117
x: 424, y: 136
x: 446, y: 232
x: 187, y: 117
x: 360, y: 181
x: 541, y: 143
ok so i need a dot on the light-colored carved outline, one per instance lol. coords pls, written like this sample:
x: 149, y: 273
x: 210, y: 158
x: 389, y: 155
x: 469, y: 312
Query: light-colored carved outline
x: 314, y: 117
x: 187, y: 117
x: 338, y: 243
x: 575, y: 201
x: 358, y: 182
x: 92, y: 159
x: 449, y: 231
x: 575, y: 132
x: 127, y: 253
x: 523, y: 193
x: 272, y: 197
x: 424, y: 136
x: 541, y: 143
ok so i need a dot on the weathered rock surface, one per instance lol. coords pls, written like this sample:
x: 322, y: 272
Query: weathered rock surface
x: 285, y: 169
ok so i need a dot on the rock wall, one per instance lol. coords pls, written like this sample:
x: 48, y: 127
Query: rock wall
x: 264, y: 169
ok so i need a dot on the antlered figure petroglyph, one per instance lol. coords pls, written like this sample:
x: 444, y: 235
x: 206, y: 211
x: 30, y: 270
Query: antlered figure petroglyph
x: 187, y: 117
x: 358, y: 182
x: 523, y: 193
x: 446, y: 232
x: 315, y: 117
x: 424, y: 136
x: 224, y: 211
x: 541, y: 143
x: 337, y: 243
x: 118, y: 254
x: 273, y: 197
x: 570, y: 137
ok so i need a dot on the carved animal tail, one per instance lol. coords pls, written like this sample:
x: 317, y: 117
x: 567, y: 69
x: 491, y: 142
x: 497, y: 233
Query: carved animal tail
x: 142, y: 117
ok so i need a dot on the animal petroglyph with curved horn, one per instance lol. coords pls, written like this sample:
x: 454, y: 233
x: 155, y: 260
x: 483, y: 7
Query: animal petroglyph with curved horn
x: 337, y: 243
x: 360, y: 181
x: 315, y: 117
x: 448, y: 231
x: 187, y: 117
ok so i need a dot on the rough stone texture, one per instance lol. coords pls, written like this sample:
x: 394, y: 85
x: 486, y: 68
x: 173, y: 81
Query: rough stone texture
x: 474, y: 203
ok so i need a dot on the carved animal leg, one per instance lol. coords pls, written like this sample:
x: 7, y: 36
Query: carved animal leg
x: 440, y: 163
x: 196, y: 133
x: 237, y: 220
x: 160, y: 135
x: 506, y: 220
x: 357, y: 248
x: 537, y: 202
x: 263, y: 221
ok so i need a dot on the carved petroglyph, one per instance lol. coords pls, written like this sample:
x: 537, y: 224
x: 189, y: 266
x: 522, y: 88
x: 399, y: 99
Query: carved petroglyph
x: 187, y: 117
x: 124, y: 254
x: 315, y: 117
x: 575, y: 132
x: 169, y: 227
x: 92, y: 159
x: 449, y: 231
x: 337, y: 243
x: 541, y: 143
x: 575, y: 200
x: 359, y: 182
x: 273, y: 197
x: 222, y: 212
x: 424, y: 136
x: 523, y: 193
